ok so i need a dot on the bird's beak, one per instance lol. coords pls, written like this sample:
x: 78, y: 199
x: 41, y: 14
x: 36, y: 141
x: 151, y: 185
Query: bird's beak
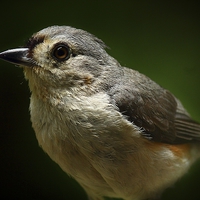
x: 18, y: 56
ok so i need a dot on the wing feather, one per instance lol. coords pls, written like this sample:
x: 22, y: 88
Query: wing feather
x: 155, y: 110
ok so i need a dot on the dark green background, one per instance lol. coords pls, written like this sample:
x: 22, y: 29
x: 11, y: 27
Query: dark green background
x: 159, y: 38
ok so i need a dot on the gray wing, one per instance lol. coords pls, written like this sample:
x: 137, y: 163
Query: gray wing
x: 155, y: 110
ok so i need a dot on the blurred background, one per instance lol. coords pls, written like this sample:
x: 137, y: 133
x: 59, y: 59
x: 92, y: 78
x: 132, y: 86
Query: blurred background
x: 158, y: 38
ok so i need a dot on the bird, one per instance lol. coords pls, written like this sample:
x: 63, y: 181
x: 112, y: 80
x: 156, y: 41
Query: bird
x: 118, y: 133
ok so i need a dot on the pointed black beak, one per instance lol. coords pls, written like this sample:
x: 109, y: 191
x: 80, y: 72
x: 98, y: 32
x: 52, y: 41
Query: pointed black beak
x: 18, y: 56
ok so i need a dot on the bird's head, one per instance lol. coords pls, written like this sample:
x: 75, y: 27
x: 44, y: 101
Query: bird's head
x: 61, y: 56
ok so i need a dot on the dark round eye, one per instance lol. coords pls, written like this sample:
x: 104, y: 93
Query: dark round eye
x: 61, y: 52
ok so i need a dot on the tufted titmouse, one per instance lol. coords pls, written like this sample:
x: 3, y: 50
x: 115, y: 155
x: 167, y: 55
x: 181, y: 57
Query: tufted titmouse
x: 118, y: 133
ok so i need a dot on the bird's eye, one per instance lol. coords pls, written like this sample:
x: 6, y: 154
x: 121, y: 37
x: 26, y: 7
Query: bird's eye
x: 61, y: 52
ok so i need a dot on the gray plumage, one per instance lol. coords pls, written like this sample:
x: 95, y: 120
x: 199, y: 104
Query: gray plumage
x: 118, y: 133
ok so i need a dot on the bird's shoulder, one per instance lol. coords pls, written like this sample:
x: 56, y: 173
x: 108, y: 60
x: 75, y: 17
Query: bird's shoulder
x: 153, y: 109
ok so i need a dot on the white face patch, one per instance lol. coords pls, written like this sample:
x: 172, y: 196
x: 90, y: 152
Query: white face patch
x: 42, y: 53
